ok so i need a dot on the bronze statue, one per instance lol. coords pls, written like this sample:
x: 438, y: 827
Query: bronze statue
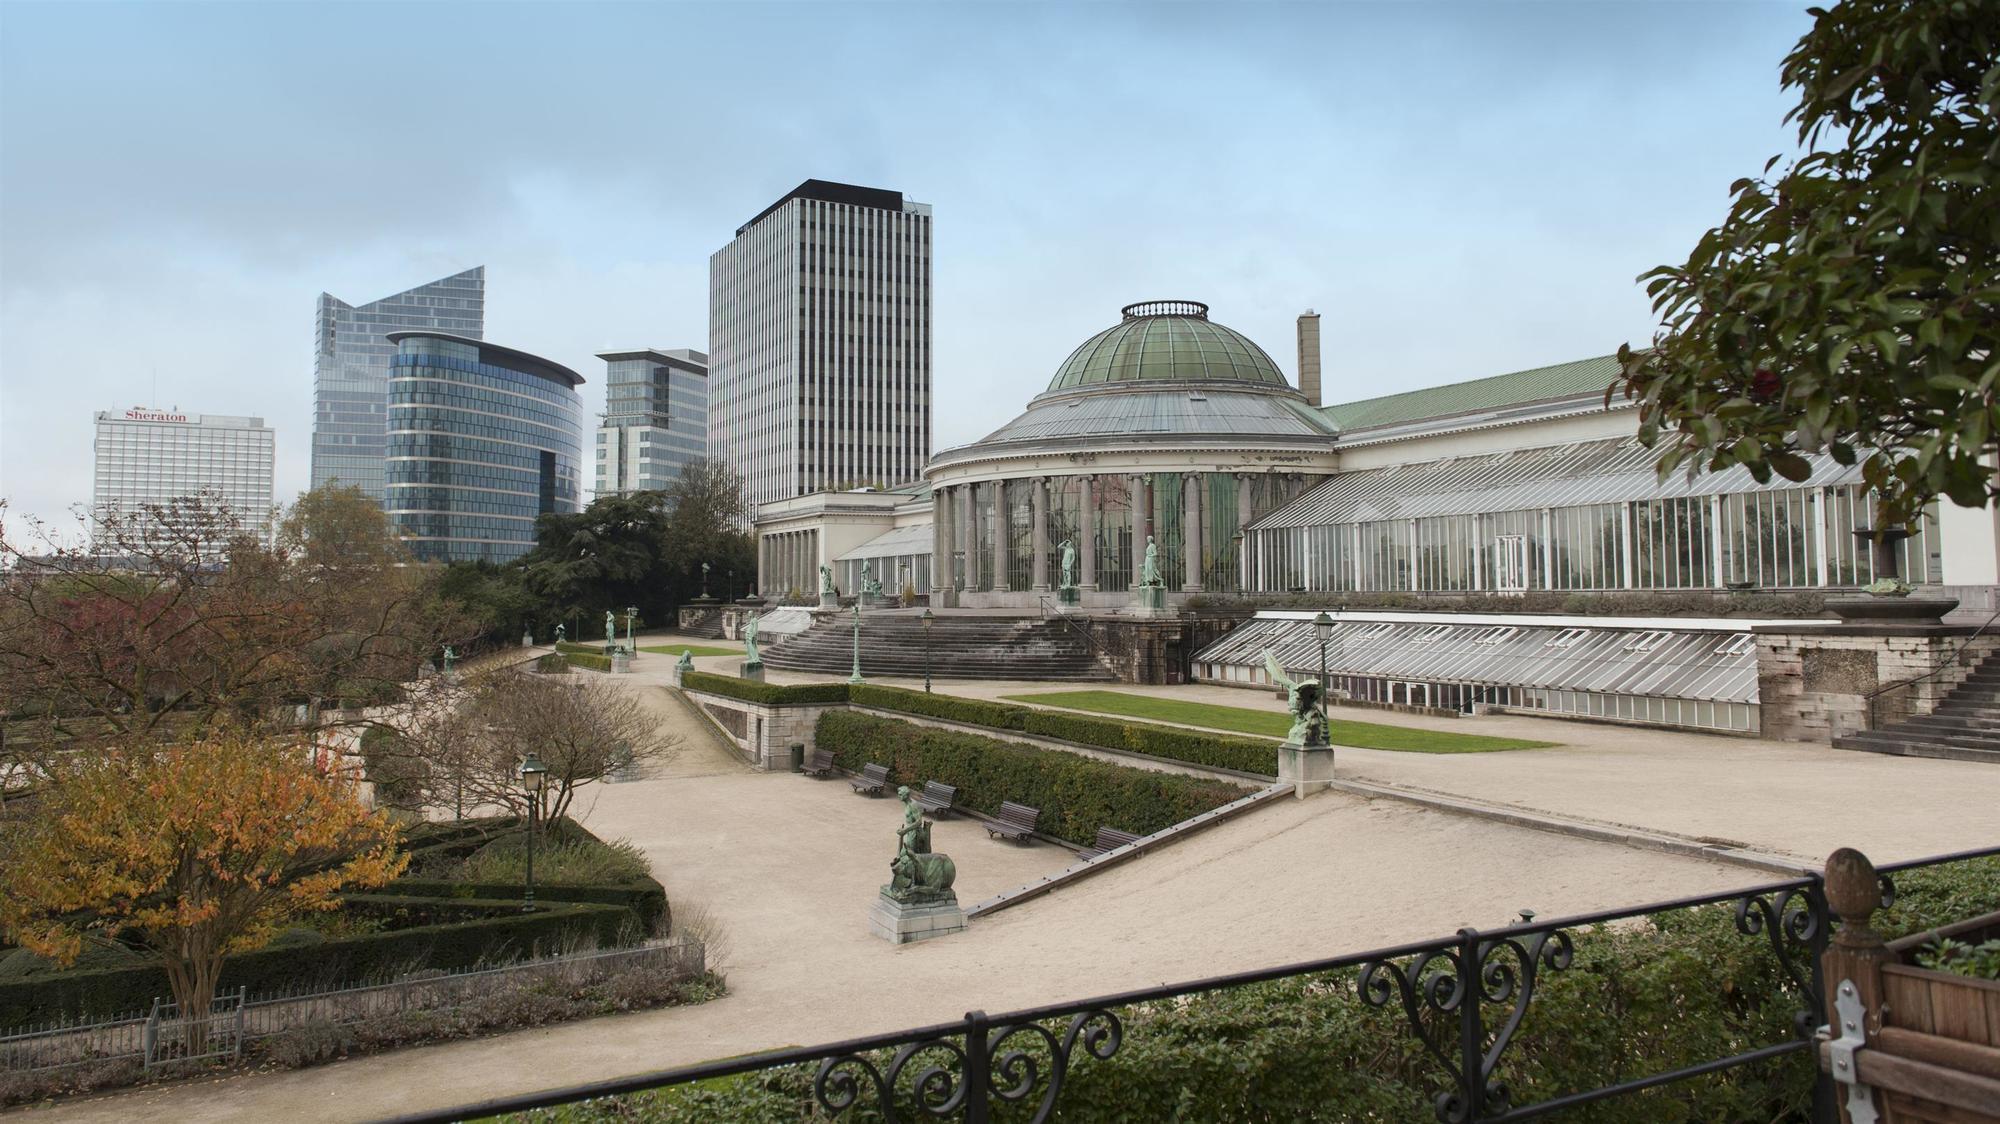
x: 916, y: 874
x: 1302, y: 698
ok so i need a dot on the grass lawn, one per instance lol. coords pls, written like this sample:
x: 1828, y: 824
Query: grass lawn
x: 1265, y: 723
x: 697, y: 649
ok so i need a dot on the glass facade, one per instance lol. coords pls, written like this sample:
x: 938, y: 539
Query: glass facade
x: 481, y: 442
x: 820, y: 344
x: 351, y: 359
x: 655, y: 419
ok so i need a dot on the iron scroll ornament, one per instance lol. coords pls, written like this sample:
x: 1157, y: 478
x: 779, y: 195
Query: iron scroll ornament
x: 941, y: 1090
x: 1433, y: 983
x: 1794, y: 921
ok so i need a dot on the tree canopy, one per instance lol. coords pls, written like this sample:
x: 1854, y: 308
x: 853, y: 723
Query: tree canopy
x: 1847, y: 303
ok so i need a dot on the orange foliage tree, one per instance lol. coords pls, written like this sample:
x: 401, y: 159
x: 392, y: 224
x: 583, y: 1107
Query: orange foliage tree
x: 197, y: 849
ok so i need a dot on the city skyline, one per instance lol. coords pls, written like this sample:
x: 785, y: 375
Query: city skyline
x: 1293, y: 172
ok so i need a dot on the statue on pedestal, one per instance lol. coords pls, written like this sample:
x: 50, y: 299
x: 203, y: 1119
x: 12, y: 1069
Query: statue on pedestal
x: 915, y: 874
x: 826, y: 581
x: 686, y: 661
x: 1149, y: 570
x: 869, y: 586
x: 562, y: 632
x: 450, y: 657
x: 749, y: 633
x: 610, y: 629
x: 1302, y: 699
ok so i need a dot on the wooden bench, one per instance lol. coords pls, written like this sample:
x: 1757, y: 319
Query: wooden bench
x: 937, y: 798
x: 821, y: 764
x: 1108, y: 839
x: 1014, y: 823
x: 872, y: 780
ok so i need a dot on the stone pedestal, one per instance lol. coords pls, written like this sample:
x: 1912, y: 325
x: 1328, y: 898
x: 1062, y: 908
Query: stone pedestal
x: 1069, y: 598
x: 828, y: 601
x: 621, y: 662
x: 905, y: 922
x: 751, y: 671
x: 1149, y: 601
x: 1307, y: 768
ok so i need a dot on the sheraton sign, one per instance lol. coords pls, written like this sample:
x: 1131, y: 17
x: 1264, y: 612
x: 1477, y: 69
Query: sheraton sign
x: 136, y: 414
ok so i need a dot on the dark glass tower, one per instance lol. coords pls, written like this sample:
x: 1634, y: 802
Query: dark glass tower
x: 482, y: 440
x: 351, y: 369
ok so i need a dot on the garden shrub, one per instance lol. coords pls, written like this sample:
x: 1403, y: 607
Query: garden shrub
x: 588, y: 661
x: 583, y: 862
x: 770, y: 694
x: 1076, y: 795
x: 977, y: 712
x: 1248, y: 755
x: 551, y: 663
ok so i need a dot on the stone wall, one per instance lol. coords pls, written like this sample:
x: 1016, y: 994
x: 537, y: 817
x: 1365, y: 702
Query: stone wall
x: 765, y: 734
x: 1815, y: 684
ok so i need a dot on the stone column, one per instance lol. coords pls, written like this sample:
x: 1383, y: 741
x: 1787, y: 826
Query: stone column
x: 1087, y: 526
x: 1038, y: 538
x: 1142, y: 515
x: 1191, y: 530
x: 944, y: 510
x: 1002, y: 530
x: 968, y: 543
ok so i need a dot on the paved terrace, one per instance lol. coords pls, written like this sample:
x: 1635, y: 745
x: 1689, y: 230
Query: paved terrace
x: 788, y: 865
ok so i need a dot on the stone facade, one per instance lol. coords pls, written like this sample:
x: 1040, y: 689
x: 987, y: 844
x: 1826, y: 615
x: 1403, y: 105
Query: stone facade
x: 1815, y: 683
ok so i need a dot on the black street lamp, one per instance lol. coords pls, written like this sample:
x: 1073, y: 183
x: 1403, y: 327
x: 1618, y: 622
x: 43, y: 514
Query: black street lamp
x: 1323, y: 626
x: 927, y: 618
x: 533, y: 775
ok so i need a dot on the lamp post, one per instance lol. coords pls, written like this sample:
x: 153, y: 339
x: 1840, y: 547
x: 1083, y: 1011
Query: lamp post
x: 1323, y: 626
x: 631, y: 619
x: 533, y: 775
x: 928, y: 617
x: 856, y: 677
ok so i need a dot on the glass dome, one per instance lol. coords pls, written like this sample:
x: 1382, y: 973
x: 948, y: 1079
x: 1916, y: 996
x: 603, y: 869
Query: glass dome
x: 1166, y: 341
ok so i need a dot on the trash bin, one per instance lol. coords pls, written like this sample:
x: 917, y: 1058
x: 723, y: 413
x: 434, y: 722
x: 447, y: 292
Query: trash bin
x: 798, y: 752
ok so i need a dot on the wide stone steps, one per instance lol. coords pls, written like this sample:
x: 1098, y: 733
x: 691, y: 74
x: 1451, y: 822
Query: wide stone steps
x: 1965, y: 726
x: 960, y: 648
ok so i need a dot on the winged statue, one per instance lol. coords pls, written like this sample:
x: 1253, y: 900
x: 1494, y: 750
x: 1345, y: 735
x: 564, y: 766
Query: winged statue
x: 1302, y: 698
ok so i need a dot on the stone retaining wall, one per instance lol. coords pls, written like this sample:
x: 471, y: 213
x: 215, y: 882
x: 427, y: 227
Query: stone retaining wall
x: 1814, y: 684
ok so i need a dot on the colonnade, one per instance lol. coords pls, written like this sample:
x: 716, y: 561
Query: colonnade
x: 789, y: 561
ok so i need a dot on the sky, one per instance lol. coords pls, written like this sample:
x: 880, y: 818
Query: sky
x: 1459, y: 190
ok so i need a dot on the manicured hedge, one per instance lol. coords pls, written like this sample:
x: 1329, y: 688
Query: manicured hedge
x: 647, y: 900
x: 1248, y: 755
x: 978, y: 712
x: 1077, y: 795
x: 770, y: 694
x: 587, y: 661
x: 507, y: 931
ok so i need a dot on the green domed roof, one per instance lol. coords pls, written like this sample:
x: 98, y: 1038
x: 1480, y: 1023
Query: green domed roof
x: 1166, y: 341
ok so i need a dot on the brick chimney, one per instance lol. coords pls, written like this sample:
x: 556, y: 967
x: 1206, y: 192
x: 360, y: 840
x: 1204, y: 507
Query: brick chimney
x: 1309, y: 355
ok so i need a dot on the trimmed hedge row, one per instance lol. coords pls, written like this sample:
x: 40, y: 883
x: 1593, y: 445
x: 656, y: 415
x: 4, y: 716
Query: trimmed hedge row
x: 977, y: 712
x: 1247, y: 755
x: 647, y: 900
x: 770, y: 694
x: 587, y: 661
x: 508, y: 932
x: 1077, y: 795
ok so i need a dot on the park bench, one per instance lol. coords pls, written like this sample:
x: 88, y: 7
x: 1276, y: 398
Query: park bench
x: 872, y: 780
x: 821, y: 764
x: 1108, y: 839
x: 937, y: 798
x: 1015, y: 822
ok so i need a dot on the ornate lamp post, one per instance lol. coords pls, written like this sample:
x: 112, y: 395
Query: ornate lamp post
x: 631, y: 618
x: 927, y: 618
x: 533, y: 775
x: 856, y: 677
x: 1323, y: 626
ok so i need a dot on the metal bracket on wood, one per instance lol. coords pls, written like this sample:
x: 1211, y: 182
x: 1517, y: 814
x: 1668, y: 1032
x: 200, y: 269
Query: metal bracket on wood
x: 1851, y: 1016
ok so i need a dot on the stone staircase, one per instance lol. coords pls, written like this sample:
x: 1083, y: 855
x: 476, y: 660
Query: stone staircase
x: 1964, y: 727
x: 892, y: 645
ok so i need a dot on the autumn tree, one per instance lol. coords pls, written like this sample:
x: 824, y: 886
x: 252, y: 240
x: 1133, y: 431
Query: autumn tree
x: 1850, y: 301
x: 196, y: 849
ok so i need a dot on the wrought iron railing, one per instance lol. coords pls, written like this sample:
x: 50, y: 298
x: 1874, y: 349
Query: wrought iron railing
x: 1463, y: 997
x: 1050, y: 609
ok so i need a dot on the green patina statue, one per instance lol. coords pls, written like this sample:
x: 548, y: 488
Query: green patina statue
x: 686, y: 661
x: 1149, y: 568
x: 1302, y: 698
x: 750, y: 654
x: 869, y: 586
x: 915, y: 874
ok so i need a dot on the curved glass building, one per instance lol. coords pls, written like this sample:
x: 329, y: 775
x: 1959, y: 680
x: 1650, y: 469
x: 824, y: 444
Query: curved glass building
x: 483, y: 440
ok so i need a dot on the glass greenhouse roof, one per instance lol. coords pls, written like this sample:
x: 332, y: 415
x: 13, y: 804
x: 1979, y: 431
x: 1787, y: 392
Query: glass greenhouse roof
x: 1168, y: 341
x: 1669, y: 663
x: 1542, y: 384
x: 1590, y: 472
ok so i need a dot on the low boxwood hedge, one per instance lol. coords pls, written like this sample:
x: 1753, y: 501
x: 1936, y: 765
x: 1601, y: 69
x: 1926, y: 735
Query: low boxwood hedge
x: 1248, y: 755
x: 977, y: 712
x: 587, y: 661
x: 505, y: 930
x: 770, y: 694
x: 647, y: 900
x: 1077, y: 795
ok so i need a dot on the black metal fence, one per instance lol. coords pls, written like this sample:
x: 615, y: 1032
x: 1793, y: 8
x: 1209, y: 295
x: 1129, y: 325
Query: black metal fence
x: 1463, y: 997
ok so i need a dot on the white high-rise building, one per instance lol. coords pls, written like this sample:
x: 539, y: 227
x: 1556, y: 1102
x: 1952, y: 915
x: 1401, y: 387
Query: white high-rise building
x: 819, y: 341
x: 150, y: 456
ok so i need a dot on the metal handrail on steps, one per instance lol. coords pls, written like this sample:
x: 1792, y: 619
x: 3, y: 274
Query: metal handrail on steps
x: 1953, y: 660
x: 1096, y: 649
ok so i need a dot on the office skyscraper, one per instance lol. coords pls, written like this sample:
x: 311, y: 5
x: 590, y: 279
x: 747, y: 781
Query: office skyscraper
x: 483, y: 440
x: 655, y: 418
x: 351, y: 369
x: 147, y: 456
x: 819, y: 342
